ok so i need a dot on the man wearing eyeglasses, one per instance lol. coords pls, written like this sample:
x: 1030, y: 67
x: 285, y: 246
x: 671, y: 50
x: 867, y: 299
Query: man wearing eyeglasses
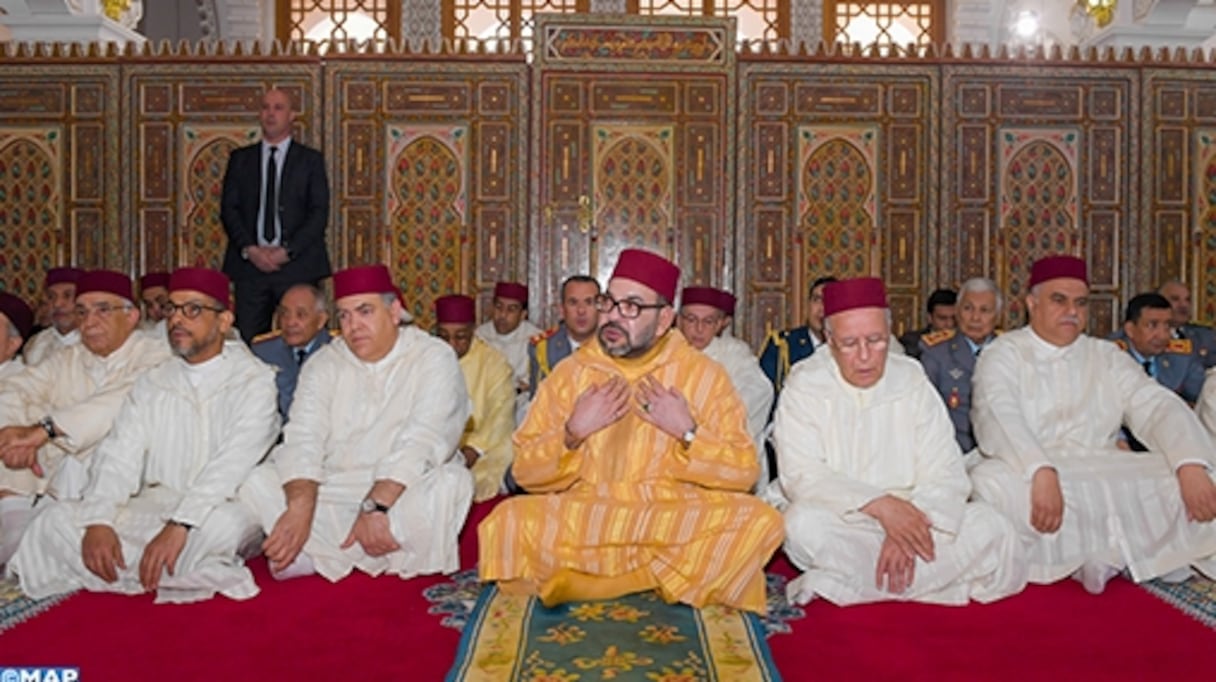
x: 705, y: 313
x: 368, y: 475
x: 1048, y: 403
x: 641, y: 444
x: 872, y: 517
x: 53, y: 415
x: 61, y: 299
x: 159, y: 513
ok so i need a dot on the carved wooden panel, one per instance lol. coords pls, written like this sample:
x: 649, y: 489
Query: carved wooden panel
x: 837, y: 179
x: 434, y: 171
x: 1038, y: 162
x: 1179, y: 218
x: 59, y: 133
x: 185, y: 120
x: 634, y: 148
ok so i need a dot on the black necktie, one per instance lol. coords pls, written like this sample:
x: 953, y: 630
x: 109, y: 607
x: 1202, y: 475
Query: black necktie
x: 300, y: 355
x: 1148, y: 367
x: 268, y: 215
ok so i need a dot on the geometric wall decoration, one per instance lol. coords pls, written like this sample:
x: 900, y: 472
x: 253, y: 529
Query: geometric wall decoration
x: 31, y: 208
x: 837, y: 200
x: 426, y: 210
x: 204, y: 153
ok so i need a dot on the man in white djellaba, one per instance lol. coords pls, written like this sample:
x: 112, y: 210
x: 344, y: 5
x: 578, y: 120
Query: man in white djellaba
x: 878, y: 492
x: 53, y: 414
x: 1048, y: 402
x: 368, y: 475
x: 160, y: 511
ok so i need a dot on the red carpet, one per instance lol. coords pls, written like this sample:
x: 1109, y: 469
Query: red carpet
x: 364, y: 628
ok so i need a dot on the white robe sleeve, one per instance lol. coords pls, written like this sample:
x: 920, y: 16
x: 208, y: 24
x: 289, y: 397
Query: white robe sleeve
x: 244, y: 443
x: 1000, y: 428
x: 302, y: 454
x: 800, y: 432
x: 119, y: 460
x: 431, y: 435
x: 942, y: 485
x: 1157, y: 415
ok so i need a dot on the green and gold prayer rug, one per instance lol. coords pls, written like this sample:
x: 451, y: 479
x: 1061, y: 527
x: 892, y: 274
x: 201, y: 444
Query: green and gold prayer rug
x: 1195, y: 597
x: 637, y: 637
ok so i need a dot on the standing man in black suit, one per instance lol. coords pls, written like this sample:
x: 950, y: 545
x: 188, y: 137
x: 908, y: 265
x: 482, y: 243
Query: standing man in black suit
x: 274, y: 208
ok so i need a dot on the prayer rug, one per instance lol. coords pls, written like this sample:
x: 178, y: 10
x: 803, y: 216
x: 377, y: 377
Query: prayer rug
x: 636, y: 637
x: 454, y: 600
x: 1195, y: 597
x: 15, y: 607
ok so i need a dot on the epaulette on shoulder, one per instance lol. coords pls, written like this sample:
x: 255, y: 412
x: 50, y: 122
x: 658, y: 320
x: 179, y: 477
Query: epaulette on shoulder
x: 1120, y: 343
x: 1180, y: 346
x: 538, y: 338
x: 267, y: 336
x: 336, y: 333
x: 933, y: 338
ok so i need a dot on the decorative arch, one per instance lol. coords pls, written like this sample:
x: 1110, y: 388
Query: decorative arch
x: 633, y: 180
x: 205, y: 151
x: 426, y: 212
x: 1038, y: 207
x: 30, y: 208
x: 838, y: 202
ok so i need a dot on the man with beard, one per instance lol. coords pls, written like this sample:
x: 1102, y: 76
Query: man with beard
x: 54, y: 414
x: 160, y: 512
x: 641, y: 444
x: 1048, y: 403
x: 579, y: 320
x: 368, y: 475
x: 61, y: 302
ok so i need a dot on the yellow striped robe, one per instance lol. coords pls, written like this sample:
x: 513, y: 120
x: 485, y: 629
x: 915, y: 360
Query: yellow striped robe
x: 631, y: 496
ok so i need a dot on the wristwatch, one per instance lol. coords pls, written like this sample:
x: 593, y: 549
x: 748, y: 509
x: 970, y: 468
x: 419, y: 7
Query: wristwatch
x: 689, y: 435
x: 48, y: 425
x: 368, y: 506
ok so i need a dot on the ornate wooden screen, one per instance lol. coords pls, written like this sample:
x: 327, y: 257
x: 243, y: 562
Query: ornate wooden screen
x: 1038, y: 161
x: 184, y: 118
x: 433, y: 173
x: 1177, y: 229
x: 633, y: 146
x: 59, y: 132
x: 836, y: 179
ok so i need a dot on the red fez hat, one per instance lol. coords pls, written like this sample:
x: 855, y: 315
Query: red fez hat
x: 727, y: 302
x: 1055, y: 267
x: 18, y: 313
x: 63, y: 276
x: 512, y: 290
x: 649, y: 269
x: 455, y: 309
x: 850, y: 294
x: 213, y: 283
x: 105, y: 281
x: 154, y: 279
x: 702, y: 296
x: 364, y: 279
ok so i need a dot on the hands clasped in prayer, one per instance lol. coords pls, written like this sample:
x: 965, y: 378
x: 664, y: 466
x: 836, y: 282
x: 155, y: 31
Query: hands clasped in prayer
x: 908, y: 536
x: 19, y: 447
x: 607, y: 403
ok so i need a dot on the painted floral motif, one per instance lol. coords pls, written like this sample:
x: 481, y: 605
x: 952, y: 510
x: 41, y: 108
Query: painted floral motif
x: 29, y: 211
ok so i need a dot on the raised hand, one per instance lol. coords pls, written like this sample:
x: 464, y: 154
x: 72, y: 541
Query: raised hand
x: 599, y: 406
x: 666, y: 408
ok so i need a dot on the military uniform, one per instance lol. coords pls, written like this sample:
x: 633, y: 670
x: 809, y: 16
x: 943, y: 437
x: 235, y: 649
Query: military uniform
x: 274, y: 351
x: 949, y: 363
x: 782, y: 350
x: 545, y: 350
x: 911, y: 341
x: 1203, y: 342
x: 1179, y: 368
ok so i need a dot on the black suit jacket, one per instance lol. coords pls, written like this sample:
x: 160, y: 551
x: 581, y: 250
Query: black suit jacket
x: 303, y: 205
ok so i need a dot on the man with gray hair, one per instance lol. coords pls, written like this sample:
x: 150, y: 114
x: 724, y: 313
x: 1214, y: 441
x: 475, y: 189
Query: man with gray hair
x: 949, y: 355
x: 302, y: 316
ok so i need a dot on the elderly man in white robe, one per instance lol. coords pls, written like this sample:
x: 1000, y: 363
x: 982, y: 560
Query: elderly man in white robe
x: 53, y: 415
x: 160, y: 511
x: 705, y: 314
x: 16, y: 321
x: 369, y: 474
x: 1047, y: 406
x: 878, y: 494
x: 61, y: 301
